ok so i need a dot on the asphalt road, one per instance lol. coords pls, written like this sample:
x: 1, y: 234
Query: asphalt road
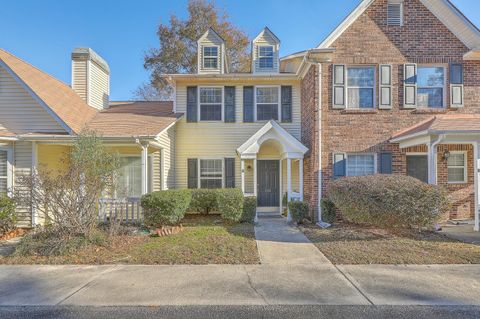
x: 240, y: 312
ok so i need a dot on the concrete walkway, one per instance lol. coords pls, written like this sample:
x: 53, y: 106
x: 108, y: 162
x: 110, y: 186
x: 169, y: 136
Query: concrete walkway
x: 281, y: 244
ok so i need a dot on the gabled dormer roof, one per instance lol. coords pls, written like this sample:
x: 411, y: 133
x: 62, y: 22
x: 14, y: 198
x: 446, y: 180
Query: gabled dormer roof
x: 57, y: 98
x: 444, y: 10
x: 266, y: 31
x: 210, y: 32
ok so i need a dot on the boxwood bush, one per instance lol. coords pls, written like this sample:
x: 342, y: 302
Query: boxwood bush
x: 230, y: 203
x: 204, y: 201
x: 329, y: 212
x: 299, y: 210
x: 165, y: 207
x: 388, y: 201
x: 8, y: 217
x: 249, y: 209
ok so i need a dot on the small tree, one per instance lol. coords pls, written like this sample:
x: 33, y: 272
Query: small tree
x: 68, y: 198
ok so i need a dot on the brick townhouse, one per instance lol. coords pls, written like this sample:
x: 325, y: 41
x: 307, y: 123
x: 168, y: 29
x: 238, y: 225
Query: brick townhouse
x: 394, y: 89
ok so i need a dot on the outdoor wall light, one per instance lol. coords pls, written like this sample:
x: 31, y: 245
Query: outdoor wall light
x: 249, y: 168
x: 446, y: 155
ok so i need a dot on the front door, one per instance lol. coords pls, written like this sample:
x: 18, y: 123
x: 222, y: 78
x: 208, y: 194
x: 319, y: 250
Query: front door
x: 417, y: 166
x: 268, y: 179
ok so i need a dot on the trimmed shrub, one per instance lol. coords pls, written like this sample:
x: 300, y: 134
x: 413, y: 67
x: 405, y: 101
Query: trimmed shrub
x: 390, y: 201
x: 249, y: 209
x: 203, y: 201
x: 230, y: 203
x: 165, y: 207
x: 299, y: 210
x: 8, y: 217
x: 329, y: 212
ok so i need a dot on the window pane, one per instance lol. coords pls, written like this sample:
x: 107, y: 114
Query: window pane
x: 210, y: 168
x: 456, y: 160
x: 267, y: 95
x: 210, y: 51
x: 130, y: 177
x: 210, y: 63
x: 430, y: 97
x: 456, y: 174
x: 359, y: 165
x: 211, y: 95
x: 430, y: 77
x: 267, y: 112
x: 266, y: 62
x: 265, y: 51
x: 360, y: 98
x: 211, y: 112
x: 361, y: 77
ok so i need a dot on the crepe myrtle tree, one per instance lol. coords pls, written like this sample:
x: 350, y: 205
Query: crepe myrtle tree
x: 68, y: 196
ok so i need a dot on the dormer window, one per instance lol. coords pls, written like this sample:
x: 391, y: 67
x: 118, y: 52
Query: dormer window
x: 265, y: 56
x: 210, y: 57
x: 395, y: 13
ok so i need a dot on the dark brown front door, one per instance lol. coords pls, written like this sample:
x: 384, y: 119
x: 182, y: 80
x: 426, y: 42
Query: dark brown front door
x: 417, y: 166
x: 268, y: 179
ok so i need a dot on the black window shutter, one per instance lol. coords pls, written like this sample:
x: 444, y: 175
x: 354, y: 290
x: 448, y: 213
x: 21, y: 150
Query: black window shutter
x: 229, y: 173
x: 192, y: 173
x: 385, y: 163
x: 339, y: 165
x: 229, y: 104
x: 192, y: 107
x: 287, y: 104
x: 248, y: 103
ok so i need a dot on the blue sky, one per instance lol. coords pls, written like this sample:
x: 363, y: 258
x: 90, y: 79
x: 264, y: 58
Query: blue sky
x: 45, y: 32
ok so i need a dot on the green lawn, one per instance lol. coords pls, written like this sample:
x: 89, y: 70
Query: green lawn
x: 204, y: 240
x: 350, y: 244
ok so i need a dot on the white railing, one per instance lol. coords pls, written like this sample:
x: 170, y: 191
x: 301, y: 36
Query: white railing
x: 126, y: 210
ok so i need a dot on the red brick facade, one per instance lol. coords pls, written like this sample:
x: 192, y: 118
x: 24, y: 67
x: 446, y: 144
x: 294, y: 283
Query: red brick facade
x: 422, y: 39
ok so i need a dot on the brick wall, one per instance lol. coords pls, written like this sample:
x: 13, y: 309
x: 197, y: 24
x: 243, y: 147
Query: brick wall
x: 422, y: 39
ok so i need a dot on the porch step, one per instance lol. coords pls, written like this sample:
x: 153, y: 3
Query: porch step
x: 269, y: 215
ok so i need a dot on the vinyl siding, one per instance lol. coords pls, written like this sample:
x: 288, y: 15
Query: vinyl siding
x: 263, y: 40
x: 20, y: 112
x: 79, y: 78
x: 219, y: 139
x: 167, y: 142
x: 52, y: 157
x: 99, y: 88
x: 23, y: 166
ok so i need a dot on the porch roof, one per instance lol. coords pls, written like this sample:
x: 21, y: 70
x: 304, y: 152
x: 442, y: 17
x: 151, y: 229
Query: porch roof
x: 453, y: 124
x: 291, y: 147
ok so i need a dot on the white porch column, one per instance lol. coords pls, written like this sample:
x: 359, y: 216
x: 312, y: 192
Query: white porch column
x: 475, y: 188
x: 242, y: 170
x: 300, y: 177
x: 255, y: 177
x: 163, y: 184
x: 144, y: 169
x: 289, y: 186
x: 432, y: 163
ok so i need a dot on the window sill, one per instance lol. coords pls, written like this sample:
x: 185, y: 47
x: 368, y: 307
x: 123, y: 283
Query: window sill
x: 359, y: 111
x: 429, y: 111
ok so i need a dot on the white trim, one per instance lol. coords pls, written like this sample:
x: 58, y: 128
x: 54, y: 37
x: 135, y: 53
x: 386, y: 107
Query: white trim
x: 36, y: 97
x: 200, y: 106
x: 374, y: 89
x: 444, y: 88
x: 465, y: 168
x: 289, y: 187
x: 476, y: 188
x: 320, y: 149
x: 202, y: 47
x: 34, y: 170
x: 255, y: 186
x: 279, y: 103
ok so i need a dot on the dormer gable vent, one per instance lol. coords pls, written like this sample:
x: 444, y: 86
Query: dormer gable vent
x: 211, y: 53
x: 395, y: 13
x: 265, y: 55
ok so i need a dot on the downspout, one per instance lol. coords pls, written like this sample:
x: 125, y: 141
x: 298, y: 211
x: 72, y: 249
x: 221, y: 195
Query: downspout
x: 320, y: 175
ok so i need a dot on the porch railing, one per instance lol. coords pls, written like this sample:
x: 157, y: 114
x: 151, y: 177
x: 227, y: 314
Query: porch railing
x: 127, y: 210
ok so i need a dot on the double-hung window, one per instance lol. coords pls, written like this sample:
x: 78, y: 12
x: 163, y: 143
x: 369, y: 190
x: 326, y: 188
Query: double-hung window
x: 360, y: 164
x: 210, y: 57
x: 211, y: 173
x: 457, y: 171
x: 431, y: 86
x: 265, y: 57
x: 3, y: 172
x: 211, y: 103
x: 360, y: 87
x: 267, y: 103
